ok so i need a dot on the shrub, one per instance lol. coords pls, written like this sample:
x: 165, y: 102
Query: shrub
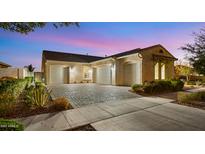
x: 61, y: 103
x: 136, y: 87
x: 7, y: 78
x: 189, y: 97
x: 41, y: 84
x: 198, y: 83
x: 28, y: 92
x: 11, y: 89
x: 5, y: 109
x: 191, y: 82
x: 29, y: 81
x: 10, y: 125
x: 177, y: 85
x: 38, y: 96
x: 159, y: 86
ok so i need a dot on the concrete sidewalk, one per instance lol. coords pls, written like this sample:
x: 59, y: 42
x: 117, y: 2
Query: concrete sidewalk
x: 145, y: 113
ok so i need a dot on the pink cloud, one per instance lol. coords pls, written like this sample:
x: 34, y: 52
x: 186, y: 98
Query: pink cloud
x: 102, y: 45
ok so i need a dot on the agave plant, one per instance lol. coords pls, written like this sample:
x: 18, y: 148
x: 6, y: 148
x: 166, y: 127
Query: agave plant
x: 39, y: 96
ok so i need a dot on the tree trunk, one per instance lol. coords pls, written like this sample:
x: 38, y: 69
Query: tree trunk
x: 187, y: 78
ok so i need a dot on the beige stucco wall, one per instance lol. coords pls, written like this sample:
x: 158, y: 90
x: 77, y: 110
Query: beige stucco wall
x: 109, y: 63
x: 120, y: 67
x: 76, y: 74
x: 73, y: 72
x: 144, y: 61
x: 148, y: 64
x: 12, y: 72
x: 169, y: 67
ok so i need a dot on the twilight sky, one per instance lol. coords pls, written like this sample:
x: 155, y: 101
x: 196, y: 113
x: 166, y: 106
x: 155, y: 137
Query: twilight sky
x: 95, y: 39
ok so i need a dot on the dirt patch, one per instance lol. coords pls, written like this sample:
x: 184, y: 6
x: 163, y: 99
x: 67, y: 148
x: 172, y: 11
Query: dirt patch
x: 174, y: 96
x: 21, y: 110
x: 83, y: 128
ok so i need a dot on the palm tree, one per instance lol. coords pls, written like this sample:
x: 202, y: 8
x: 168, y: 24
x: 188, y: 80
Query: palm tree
x: 30, y: 69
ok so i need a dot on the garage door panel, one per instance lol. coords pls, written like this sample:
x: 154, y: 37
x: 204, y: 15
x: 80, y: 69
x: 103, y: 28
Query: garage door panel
x: 103, y: 75
x: 132, y: 73
x: 56, y: 74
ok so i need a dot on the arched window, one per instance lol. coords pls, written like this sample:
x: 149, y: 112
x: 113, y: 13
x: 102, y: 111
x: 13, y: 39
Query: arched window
x: 156, y: 71
x: 162, y: 71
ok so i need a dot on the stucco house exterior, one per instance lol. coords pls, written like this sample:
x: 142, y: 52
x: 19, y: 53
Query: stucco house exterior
x: 126, y: 68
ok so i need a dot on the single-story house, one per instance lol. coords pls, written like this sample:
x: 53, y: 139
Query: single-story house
x: 126, y: 68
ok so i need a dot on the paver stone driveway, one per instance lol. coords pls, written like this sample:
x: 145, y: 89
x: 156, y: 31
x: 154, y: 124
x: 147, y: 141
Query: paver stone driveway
x: 85, y: 94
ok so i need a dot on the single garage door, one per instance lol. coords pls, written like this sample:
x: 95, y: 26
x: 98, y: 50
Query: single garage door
x: 56, y: 74
x: 103, y: 75
x: 132, y: 73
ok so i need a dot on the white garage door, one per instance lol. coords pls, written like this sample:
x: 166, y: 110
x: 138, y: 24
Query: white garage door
x: 132, y: 73
x: 103, y: 75
x: 56, y: 74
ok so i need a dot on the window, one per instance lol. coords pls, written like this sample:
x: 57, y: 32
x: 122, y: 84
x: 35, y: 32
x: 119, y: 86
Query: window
x: 162, y: 71
x: 156, y: 71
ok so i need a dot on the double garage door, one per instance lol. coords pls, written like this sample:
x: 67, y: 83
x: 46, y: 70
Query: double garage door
x: 131, y: 74
x: 103, y: 75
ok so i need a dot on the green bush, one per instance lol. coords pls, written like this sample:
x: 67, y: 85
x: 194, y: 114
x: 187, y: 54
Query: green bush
x: 136, y: 87
x: 191, y: 82
x: 160, y: 86
x: 38, y: 96
x: 11, y: 89
x: 41, y: 84
x: 29, y: 81
x: 10, y: 125
x: 189, y: 97
x: 178, y: 85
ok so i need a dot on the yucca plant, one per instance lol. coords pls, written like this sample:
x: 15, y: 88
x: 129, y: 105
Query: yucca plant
x: 39, y: 96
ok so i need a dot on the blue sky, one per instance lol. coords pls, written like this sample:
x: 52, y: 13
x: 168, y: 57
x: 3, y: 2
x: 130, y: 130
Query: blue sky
x: 95, y: 39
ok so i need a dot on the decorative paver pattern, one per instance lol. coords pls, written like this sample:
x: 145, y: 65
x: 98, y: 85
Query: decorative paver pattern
x: 85, y: 94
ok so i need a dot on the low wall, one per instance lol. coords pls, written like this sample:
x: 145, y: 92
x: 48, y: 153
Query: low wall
x: 18, y: 73
x: 39, y: 76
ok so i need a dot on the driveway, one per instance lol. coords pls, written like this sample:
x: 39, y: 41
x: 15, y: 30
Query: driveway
x: 85, y: 94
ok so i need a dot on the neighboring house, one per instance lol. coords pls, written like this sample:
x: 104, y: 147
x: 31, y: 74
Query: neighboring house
x: 7, y: 71
x: 4, y: 65
x: 126, y: 68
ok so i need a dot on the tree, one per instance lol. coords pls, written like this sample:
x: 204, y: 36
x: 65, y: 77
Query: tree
x: 196, y: 52
x: 30, y: 68
x: 183, y: 69
x: 27, y: 27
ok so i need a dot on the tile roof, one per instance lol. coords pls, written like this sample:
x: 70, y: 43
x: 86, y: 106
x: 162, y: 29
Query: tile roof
x: 4, y: 64
x: 61, y: 56
x: 126, y: 53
